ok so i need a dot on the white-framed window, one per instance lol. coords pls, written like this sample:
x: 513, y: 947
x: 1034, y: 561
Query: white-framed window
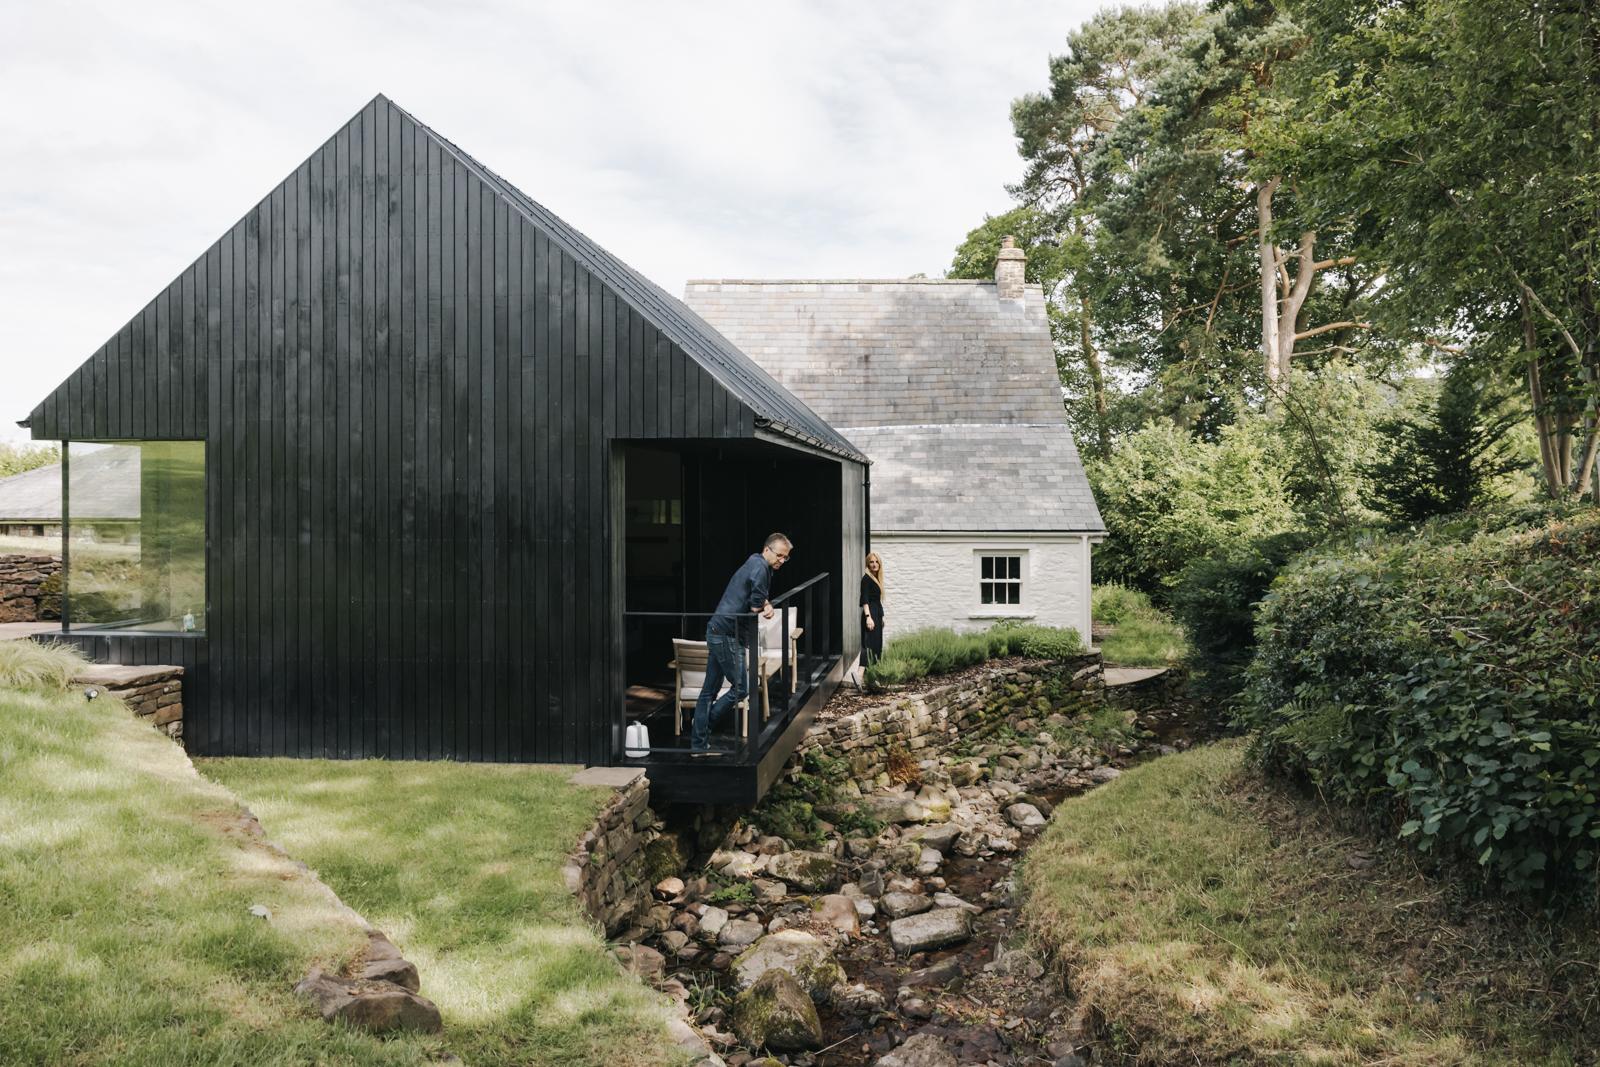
x: 999, y: 579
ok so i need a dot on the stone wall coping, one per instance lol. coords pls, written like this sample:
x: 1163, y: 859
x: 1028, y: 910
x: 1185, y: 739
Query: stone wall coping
x: 120, y: 675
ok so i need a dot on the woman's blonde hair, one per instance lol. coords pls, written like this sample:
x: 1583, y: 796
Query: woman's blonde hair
x: 879, y: 576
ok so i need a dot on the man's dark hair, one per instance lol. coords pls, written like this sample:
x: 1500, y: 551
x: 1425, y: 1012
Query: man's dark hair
x: 776, y: 538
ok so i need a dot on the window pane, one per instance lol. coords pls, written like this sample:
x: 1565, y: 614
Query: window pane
x: 1015, y: 591
x: 986, y: 592
x: 137, y: 515
x: 1016, y: 566
x: 988, y: 566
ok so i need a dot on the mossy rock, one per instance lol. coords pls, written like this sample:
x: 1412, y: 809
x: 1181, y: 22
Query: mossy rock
x: 664, y: 858
x: 775, y: 1013
x: 799, y: 954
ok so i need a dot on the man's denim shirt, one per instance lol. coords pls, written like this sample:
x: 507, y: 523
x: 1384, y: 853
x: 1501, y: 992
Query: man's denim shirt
x: 746, y: 592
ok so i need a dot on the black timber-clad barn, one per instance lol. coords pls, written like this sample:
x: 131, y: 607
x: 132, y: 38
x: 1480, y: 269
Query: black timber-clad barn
x: 463, y: 475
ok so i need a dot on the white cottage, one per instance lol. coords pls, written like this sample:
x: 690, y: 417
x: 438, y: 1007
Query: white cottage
x: 979, y: 503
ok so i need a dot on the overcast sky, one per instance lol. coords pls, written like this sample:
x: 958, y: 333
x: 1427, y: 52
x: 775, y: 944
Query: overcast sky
x: 694, y: 140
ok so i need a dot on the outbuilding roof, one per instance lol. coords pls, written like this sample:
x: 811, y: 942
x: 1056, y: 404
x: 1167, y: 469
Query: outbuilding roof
x: 105, y: 485
x: 951, y: 390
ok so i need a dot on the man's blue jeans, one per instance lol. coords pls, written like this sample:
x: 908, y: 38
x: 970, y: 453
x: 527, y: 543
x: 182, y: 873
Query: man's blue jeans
x: 724, y: 660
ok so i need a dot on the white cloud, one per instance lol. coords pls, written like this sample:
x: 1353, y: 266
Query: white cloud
x: 694, y: 140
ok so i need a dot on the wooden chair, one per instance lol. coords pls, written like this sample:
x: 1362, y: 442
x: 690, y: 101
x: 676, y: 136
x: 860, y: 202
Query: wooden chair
x: 689, y: 660
x: 770, y: 637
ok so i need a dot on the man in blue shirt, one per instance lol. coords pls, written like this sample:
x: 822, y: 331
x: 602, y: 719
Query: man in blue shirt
x: 745, y: 596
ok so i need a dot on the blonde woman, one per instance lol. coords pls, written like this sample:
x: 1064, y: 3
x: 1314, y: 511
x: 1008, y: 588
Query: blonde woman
x: 872, y: 611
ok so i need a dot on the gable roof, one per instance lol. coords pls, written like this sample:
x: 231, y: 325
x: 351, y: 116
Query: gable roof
x: 950, y: 389
x: 773, y: 407
x: 742, y: 376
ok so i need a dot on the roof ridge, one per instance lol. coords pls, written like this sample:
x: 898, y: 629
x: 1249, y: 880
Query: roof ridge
x: 767, y: 398
x: 950, y: 425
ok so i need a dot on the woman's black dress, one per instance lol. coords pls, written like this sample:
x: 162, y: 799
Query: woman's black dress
x: 871, y: 640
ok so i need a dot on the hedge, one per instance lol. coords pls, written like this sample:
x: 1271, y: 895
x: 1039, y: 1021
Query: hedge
x: 1450, y: 682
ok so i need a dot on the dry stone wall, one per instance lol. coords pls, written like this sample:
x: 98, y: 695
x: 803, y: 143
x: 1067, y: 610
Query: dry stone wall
x: 154, y: 694
x: 874, y: 736
x: 629, y: 850
x: 26, y: 588
x: 610, y: 870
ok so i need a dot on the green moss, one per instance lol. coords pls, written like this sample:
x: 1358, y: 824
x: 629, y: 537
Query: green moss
x: 664, y: 858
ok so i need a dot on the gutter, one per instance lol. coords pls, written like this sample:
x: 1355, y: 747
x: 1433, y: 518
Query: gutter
x: 765, y: 423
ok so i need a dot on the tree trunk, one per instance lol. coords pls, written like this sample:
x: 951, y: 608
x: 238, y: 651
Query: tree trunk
x: 1552, y: 444
x: 1269, y: 286
x: 1097, y: 378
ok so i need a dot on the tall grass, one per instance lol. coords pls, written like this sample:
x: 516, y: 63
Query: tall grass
x: 1140, y: 634
x: 1211, y: 918
x: 28, y: 665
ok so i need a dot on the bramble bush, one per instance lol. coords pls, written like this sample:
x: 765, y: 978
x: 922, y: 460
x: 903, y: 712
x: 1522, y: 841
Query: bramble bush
x: 1449, y: 682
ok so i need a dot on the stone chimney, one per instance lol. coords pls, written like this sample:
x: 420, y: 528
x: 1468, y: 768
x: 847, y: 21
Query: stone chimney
x: 1008, y: 270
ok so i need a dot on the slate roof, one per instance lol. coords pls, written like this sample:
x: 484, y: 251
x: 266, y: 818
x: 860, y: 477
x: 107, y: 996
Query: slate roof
x: 951, y: 391
x: 742, y: 376
x: 105, y: 485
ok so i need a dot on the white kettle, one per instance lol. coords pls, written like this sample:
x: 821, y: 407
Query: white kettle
x: 636, y: 742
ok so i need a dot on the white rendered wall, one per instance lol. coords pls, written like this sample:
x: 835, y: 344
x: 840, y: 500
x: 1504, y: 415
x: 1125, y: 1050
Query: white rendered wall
x: 932, y: 580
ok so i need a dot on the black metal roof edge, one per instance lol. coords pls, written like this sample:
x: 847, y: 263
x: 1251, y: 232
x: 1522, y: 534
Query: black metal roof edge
x: 799, y: 435
x: 734, y: 370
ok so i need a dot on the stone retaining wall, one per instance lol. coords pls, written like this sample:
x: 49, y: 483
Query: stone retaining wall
x: 610, y: 871
x: 869, y: 738
x: 154, y: 694
x: 1170, y: 685
x: 24, y: 594
x: 628, y: 850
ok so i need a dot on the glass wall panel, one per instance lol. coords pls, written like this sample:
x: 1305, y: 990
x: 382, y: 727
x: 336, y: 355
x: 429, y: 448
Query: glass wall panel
x: 136, y: 523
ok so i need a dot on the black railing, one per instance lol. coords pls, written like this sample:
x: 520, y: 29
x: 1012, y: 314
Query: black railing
x: 779, y: 673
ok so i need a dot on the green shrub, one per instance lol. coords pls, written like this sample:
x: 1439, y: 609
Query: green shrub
x: 940, y: 651
x: 1451, y: 684
x: 1113, y: 604
x: 1167, y: 499
x: 1045, y: 642
x: 1215, y: 600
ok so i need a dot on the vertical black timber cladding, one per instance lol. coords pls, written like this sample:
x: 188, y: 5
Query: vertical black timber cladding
x: 410, y: 385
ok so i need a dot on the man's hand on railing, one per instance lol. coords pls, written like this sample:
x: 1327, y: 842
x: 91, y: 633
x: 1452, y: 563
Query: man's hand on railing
x: 766, y: 610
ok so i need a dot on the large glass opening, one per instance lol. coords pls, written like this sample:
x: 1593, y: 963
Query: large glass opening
x: 136, y: 535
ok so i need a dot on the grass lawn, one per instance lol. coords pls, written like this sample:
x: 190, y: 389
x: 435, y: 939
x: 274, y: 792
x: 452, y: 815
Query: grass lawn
x: 1210, y: 918
x: 460, y: 864
x: 125, y: 892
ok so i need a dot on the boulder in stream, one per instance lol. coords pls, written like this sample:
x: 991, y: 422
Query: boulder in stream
x: 899, y: 905
x: 811, y: 872
x: 802, y: 955
x: 921, y: 1050
x: 930, y: 930
x: 1024, y: 816
x: 776, y: 1013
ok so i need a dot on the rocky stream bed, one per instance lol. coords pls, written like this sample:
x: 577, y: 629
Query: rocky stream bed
x: 902, y: 948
